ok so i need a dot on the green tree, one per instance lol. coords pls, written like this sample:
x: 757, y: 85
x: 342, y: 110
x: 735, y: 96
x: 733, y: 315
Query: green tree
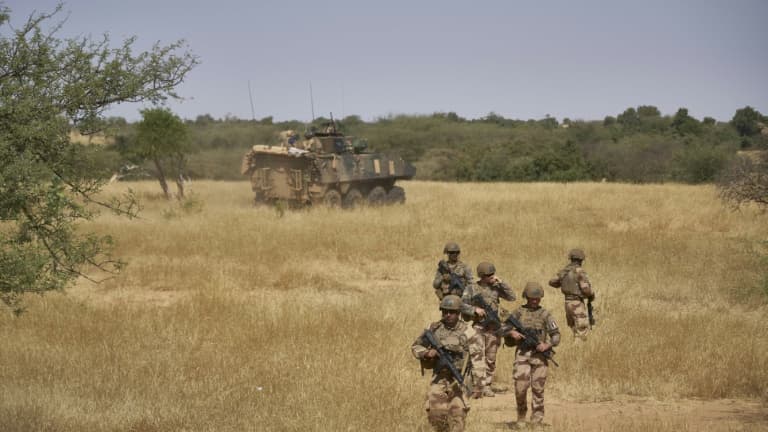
x: 648, y: 111
x: 629, y: 119
x: 745, y: 121
x: 48, y: 185
x: 685, y: 124
x: 162, y: 137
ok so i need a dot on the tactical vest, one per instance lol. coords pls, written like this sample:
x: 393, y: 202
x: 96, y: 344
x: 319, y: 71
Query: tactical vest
x: 535, y: 319
x: 531, y: 319
x: 569, y: 283
x: 490, y: 295
x: 453, y: 340
x: 460, y: 270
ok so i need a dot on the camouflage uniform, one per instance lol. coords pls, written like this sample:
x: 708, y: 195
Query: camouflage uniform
x: 575, y: 286
x: 530, y: 370
x: 485, y: 344
x: 442, y: 285
x: 446, y: 408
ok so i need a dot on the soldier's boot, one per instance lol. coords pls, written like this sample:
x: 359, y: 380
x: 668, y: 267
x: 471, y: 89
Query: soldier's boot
x: 487, y: 392
x: 499, y: 388
x: 537, y: 419
x: 477, y: 393
x: 521, y: 423
x: 522, y: 410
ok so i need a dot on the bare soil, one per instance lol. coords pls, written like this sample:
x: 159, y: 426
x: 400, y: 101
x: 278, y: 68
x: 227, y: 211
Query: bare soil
x: 633, y: 412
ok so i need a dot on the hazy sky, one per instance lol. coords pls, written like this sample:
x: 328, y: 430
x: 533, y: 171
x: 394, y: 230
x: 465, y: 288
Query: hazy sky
x: 575, y: 59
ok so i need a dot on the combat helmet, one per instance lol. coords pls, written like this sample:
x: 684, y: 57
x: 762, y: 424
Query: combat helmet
x: 576, y: 254
x: 451, y: 247
x: 451, y: 303
x: 533, y: 290
x: 485, y: 269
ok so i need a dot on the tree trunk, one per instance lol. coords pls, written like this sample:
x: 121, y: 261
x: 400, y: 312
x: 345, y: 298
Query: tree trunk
x: 180, y: 187
x: 161, y: 177
x: 180, y: 176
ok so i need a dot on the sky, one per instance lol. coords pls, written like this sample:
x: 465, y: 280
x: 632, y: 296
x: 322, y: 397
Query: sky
x: 519, y: 59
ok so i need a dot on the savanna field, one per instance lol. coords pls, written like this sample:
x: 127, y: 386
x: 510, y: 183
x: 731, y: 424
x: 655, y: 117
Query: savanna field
x: 234, y: 318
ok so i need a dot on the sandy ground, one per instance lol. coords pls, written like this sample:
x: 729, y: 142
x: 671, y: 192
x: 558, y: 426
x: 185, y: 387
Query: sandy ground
x: 634, y: 413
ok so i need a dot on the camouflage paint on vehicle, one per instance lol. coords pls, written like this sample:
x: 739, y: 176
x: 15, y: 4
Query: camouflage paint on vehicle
x: 324, y: 168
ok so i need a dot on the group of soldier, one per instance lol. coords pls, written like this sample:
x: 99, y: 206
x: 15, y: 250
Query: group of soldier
x: 472, y: 328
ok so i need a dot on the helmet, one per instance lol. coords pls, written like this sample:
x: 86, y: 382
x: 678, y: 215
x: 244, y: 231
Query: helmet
x: 451, y: 247
x: 533, y: 290
x: 451, y: 302
x: 576, y: 254
x: 485, y: 269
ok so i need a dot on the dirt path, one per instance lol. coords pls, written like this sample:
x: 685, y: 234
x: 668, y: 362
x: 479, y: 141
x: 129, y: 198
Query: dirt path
x: 631, y: 414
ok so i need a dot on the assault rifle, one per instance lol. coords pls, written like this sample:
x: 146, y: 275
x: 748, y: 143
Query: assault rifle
x: 590, y: 313
x: 491, y: 319
x: 444, y: 360
x: 530, y: 338
x: 455, y: 284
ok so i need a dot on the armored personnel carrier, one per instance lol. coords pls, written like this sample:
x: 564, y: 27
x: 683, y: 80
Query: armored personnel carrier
x: 324, y: 168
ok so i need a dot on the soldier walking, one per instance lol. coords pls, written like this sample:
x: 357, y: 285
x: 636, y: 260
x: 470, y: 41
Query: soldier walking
x: 446, y: 407
x: 575, y: 286
x: 450, y: 270
x: 530, y: 370
x: 454, y: 277
x: 491, y: 289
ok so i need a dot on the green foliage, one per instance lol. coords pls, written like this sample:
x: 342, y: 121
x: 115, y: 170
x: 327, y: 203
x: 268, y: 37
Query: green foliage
x: 162, y: 138
x: 748, y: 122
x: 160, y: 134
x: 745, y: 121
x: 49, y: 185
x: 644, y: 147
x: 684, y: 124
x: 700, y: 163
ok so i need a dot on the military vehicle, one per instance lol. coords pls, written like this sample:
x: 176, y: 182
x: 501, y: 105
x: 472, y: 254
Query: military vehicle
x: 326, y: 168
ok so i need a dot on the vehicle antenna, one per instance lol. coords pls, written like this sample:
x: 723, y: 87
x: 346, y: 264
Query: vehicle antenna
x: 312, y: 101
x: 250, y: 95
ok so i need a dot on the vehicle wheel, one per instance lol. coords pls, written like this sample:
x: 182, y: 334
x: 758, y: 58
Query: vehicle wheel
x: 258, y: 199
x: 353, y: 198
x: 332, y: 198
x: 396, y: 195
x: 377, y: 196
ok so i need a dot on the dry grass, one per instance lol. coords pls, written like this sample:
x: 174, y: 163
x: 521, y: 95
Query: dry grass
x: 230, y: 318
x: 96, y: 139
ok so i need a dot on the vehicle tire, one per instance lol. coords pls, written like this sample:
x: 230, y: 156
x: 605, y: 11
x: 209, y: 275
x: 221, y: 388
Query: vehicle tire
x: 352, y: 199
x: 396, y: 195
x: 377, y: 196
x: 258, y: 199
x: 332, y: 198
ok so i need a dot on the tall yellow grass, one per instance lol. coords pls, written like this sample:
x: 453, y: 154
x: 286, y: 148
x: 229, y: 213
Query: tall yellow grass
x: 234, y: 318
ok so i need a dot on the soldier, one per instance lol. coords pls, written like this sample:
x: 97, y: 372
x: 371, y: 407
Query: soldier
x: 574, y: 283
x: 491, y: 289
x: 446, y: 408
x: 442, y: 283
x: 530, y: 368
x: 288, y: 138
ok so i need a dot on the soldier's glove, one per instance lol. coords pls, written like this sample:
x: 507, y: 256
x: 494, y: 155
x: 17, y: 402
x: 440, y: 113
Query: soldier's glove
x: 432, y: 353
x: 591, y: 298
x: 446, y: 278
